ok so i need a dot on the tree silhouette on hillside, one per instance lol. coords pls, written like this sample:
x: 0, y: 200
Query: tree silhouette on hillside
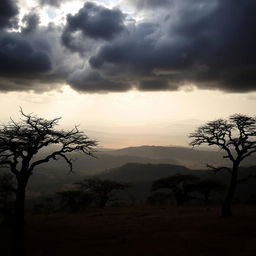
x: 103, y: 189
x: 74, y: 200
x: 236, y: 136
x: 20, y: 143
x: 206, y: 188
x: 177, y: 184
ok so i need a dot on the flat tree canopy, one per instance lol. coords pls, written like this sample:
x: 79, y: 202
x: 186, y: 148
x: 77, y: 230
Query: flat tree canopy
x: 20, y: 143
x: 177, y: 184
x: 236, y: 137
x: 102, y: 188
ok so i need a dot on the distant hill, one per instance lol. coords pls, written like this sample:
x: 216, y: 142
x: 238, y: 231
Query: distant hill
x: 107, y: 160
x: 134, y: 172
x: 130, y: 164
x: 142, y: 176
x: 191, y: 158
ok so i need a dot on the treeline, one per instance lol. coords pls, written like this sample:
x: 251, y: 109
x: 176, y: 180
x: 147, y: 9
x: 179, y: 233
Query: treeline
x: 95, y: 192
x: 113, y: 188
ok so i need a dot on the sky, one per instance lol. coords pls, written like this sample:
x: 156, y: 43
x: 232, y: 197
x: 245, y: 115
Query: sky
x: 129, y: 72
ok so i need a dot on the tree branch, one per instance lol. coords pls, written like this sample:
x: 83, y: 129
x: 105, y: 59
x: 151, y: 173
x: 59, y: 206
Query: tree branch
x: 21, y: 141
x: 217, y: 169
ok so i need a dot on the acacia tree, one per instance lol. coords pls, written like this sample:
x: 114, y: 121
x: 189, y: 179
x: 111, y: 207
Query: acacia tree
x: 236, y: 137
x: 206, y: 187
x: 20, y: 143
x: 178, y: 184
x: 74, y: 200
x: 103, y: 189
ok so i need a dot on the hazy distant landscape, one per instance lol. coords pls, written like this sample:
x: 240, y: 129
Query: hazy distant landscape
x: 127, y: 127
x: 139, y: 165
x: 109, y: 159
x: 136, y: 220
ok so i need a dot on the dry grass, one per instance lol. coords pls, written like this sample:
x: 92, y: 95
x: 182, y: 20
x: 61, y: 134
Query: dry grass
x: 151, y: 231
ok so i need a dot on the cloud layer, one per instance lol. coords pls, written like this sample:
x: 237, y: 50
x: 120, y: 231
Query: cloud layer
x: 207, y: 43
x: 92, y: 21
x: 8, y: 12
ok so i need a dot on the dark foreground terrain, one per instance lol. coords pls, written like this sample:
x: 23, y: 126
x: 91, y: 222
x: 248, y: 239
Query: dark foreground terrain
x: 149, y: 231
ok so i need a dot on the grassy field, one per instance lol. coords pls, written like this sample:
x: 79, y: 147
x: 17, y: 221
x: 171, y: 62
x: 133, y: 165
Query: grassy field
x: 149, y: 231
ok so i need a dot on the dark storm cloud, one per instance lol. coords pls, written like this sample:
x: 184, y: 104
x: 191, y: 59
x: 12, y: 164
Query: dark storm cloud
x: 211, y: 44
x: 150, y: 85
x: 92, y: 81
x: 19, y: 55
x: 32, y: 61
x: 139, y: 56
x: 147, y: 4
x: 31, y: 22
x: 222, y: 44
x: 208, y: 43
x: 8, y: 11
x: 93, y: 21
x: 55, y: 3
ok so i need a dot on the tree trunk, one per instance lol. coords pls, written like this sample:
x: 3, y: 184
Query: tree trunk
x: 103, y: 201
x: 18, y: 248
x: 206, y: 198
x: 179, y: 197
x: 226, y: 210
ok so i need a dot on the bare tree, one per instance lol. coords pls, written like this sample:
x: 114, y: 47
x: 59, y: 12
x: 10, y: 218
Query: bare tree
x: 236, y: 137
x: 103, y: 189
x: 178, y: 185
x: 20, y: 143
x: 75, y: 200
x: 206, y: 187
x: 159, y: 198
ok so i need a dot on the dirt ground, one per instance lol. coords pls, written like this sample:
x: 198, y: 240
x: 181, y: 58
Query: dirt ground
x: 149, y: 231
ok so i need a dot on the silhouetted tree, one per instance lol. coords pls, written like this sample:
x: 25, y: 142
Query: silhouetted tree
x: 49, y: 203
x: 103, y: 189
x: 236, y: 136
x: 20, y: 142
x: 74, y: 200
x: 206, y: 187
x: 158, y: 198
x: 178, y: 184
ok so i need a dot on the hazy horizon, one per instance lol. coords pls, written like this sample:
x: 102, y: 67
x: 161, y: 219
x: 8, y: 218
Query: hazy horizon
x: 128, y: 72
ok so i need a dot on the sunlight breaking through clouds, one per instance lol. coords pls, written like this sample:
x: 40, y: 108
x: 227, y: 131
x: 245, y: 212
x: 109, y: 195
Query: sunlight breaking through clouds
x: 118, y: 45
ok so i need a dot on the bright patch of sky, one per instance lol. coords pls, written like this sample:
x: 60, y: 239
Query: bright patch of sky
x: 58, y: 15
x: 51, y: 13
x: 132, y: 118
